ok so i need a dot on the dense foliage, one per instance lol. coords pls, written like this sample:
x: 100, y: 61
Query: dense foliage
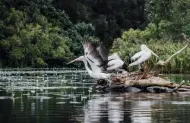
x: 109, y: 17
x: 48, y: 33
x: 35, y: 34
x: 167, y: 19
x: 171, y: 17
x: 130, y: 42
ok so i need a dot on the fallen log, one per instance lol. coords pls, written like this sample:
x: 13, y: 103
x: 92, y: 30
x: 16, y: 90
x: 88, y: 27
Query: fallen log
x: 148, y: 83
x: 152, y: 81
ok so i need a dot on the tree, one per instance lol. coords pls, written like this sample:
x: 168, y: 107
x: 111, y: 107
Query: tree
x: 164, y: 14
x: 109, y: 17
x: 36, y: 34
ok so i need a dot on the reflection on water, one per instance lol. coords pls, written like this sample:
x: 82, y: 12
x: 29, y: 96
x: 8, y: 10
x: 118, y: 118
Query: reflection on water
x: 179, y: 77
x: 67, y: 97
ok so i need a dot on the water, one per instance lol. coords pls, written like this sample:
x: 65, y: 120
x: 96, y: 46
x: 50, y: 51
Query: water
x: 67, y: 97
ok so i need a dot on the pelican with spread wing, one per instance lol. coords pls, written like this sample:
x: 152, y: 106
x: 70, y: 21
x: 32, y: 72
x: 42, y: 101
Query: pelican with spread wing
x: 142, y: 56
x: 97, y: 62
x: 162, y: 62
x: 96, y: 59
x: 112, y: 62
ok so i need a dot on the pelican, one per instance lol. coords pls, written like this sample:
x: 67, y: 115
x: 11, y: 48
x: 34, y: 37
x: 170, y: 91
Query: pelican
x: 96, y: 71
x: 162, y: 62
x: 95, y: 59
x: 115, y: 63
x: 110, y: 63
x: 142, y: 56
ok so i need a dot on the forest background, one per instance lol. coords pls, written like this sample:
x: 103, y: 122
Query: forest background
x: 47, y: 33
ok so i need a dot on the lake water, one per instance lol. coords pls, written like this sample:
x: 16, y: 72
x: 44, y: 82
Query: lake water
x: 67, y: 97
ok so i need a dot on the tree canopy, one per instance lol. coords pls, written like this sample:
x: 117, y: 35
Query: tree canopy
x: 48, y: 33
x: 36, y: 34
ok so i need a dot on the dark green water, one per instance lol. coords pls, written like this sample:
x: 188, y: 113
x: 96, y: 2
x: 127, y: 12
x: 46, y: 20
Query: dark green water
x: 68, y: 98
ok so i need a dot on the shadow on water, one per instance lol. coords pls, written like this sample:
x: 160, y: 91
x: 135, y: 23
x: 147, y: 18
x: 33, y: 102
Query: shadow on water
x: 5, y: 107
x: 69, y: 98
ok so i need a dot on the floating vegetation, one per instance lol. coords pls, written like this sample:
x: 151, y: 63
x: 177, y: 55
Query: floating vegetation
x: 63, y: 98
x: 48, y: 79
x: 51, y: 95
x: 40, y: 97
x: 75, y: 102
x: 179, y: 102
x: 28, y: 94
x: 5, y: 97
x: 66, y: 85
x: 60, y: 102
x: 84, y: 97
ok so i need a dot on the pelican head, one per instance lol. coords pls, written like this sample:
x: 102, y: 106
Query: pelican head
x: 80, y: 58
x: 160, y: 62
x: 145, y: 48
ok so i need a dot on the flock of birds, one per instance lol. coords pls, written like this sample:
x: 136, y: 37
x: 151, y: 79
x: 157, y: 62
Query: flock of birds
x: 101, y: 66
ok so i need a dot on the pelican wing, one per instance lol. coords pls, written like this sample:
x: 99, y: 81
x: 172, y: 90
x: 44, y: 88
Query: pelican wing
x: 103, y: 52
x: 94, y: 67
x: 95, y: 57
x: 113, y: 57
x: 88, y: 47
x: 92, y: 56
x: 178, y: 52
x: 137, y: 55
x: 115, y: 64
x: 95, y: 60
x: 144, y: 56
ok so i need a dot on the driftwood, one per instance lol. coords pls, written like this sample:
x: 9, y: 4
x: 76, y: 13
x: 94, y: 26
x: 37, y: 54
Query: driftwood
x: 146, y: 83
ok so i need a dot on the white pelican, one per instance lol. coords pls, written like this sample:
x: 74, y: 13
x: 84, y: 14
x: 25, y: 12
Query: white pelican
x: 162, y: 63
x: 110, y: 63
x: 95, y: 60
x: 142, y: 56
x: 115, y: 63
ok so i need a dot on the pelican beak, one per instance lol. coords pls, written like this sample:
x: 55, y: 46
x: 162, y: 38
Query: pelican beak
x: 154, y: 53
x: 77, y: 59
